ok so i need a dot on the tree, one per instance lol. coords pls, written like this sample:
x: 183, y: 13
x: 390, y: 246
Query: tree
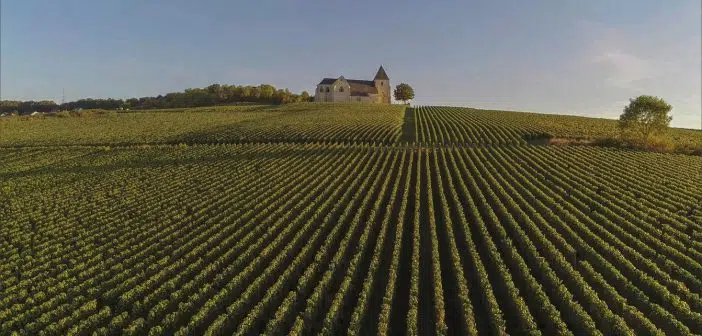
x: 403, y: 92
x: 645, y: 116
x: 45, y: 106
x: 208, y: 96
x: 267, y: 91
x: 305, y: 96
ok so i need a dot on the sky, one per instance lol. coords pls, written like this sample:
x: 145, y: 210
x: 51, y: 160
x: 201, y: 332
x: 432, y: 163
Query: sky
x: 558, y: 56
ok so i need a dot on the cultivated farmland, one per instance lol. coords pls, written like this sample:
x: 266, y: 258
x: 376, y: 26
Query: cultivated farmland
x: 225, y: 124
x: 431, y: 223
x: 440, y: 124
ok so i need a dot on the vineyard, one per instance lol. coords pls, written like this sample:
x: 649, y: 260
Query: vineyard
x: 435, y: 223
x: 438, y: 124
x: 224, y: 124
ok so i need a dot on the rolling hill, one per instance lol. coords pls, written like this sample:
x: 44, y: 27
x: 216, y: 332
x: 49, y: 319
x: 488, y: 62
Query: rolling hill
x: 343, y: 219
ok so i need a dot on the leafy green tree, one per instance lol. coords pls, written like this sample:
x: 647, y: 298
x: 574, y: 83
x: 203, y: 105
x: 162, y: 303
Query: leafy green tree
x: 246, y: 92
x: 403, y: 92
x: 644, y: 117
x: 255, y: 92
x: 267, y: 91
x: 9, y: 105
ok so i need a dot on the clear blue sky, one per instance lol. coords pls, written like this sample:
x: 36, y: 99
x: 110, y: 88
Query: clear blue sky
x: 559, y: 56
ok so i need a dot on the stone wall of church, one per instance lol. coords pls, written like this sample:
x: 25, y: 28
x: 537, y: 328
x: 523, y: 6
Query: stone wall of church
x: 370, y: 99
x: 383, y: 87
x: 341, y: 92
x: 321, y: 95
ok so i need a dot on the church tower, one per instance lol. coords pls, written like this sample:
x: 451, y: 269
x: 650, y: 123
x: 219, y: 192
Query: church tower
x: 382, y: 84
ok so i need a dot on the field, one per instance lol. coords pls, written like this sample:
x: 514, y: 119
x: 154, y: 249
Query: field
x: 438, y: 124
x: 431, y: 222
x: 289, y: 123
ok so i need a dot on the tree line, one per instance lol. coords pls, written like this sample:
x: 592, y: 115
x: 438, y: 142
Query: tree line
x: 212, y: 95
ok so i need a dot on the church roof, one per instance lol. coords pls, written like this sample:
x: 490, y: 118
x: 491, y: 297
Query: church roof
x: 381, y: 74
x: 361, y: 82
x: 362, y: 87
x: 327, y: 81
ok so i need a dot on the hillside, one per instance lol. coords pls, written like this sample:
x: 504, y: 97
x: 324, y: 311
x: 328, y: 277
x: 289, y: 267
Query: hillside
x: 437, y: 124
x: 309, y: 122
x: 226, y: 124
x: 340, y: 219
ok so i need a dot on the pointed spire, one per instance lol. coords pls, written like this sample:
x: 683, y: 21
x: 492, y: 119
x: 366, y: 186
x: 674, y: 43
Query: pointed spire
x: 381, y: 74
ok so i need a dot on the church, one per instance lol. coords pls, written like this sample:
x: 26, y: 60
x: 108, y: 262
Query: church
x: 342, y: 90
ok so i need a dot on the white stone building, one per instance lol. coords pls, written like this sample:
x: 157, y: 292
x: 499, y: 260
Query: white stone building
x: 342, y: 90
